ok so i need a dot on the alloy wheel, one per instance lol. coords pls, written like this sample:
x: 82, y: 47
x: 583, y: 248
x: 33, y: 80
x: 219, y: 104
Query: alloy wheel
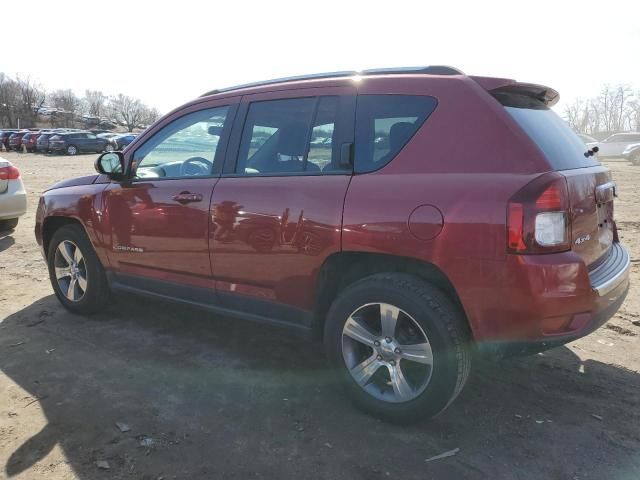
x: 70, y: 270
x: 387, y: 353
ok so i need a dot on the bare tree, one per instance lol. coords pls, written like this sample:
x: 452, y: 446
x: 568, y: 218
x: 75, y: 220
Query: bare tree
x: 127, y: 110
x: 67, y: 101
x: 9, y: 93
x: 150, y: 116
x: 615, y: 109
x: 95, y: 103
x: 31, y: 97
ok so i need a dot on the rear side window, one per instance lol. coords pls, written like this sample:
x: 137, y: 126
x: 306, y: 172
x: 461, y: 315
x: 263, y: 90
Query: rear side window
x: 562, y: 147
x: 299, y: 136
x: 384, y: 124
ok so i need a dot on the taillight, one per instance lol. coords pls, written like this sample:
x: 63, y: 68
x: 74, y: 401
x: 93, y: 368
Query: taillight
x: 538, y: 216
x: 9, y: 173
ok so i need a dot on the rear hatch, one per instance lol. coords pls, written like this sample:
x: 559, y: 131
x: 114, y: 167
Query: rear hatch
x: 591, y: 190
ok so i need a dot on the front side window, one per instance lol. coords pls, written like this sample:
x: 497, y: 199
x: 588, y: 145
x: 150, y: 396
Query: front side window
x: 184, y: 148
x: 384, y: 124
x: 290, y: 136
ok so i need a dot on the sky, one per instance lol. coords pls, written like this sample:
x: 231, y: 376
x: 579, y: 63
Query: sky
x: 169, y: 52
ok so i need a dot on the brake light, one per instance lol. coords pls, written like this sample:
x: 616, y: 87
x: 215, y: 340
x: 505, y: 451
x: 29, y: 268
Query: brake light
x: 551, y: 198
x: 538, y: 216
x: 9, y: 173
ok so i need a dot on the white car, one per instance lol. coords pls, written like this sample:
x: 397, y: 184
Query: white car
x: 614, y: 145
x: 13, y: 196
x: 588, y: 140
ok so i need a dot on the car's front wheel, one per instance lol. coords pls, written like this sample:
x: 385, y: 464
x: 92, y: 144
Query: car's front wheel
x: 72, y: 150
x: 76, y: 274
x: 635, y: 158
x: 400, y: 347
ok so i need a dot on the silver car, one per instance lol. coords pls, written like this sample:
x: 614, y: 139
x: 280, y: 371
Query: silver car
x: 13, y: 196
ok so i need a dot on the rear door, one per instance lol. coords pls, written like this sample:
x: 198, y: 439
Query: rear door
x: 277, y: 210
x: 591, y: 190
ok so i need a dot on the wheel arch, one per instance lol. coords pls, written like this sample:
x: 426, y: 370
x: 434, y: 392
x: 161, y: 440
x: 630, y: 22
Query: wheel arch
x: 344, y: 268
x: 52, y: 224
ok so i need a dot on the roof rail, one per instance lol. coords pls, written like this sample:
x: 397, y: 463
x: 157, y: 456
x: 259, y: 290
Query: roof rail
x: 429, y: 70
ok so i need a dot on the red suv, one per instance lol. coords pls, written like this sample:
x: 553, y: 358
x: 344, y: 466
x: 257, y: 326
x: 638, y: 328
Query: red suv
x: 405, y: 216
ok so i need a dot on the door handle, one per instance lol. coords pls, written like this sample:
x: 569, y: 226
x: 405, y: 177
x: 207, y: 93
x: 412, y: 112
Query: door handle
x: 187, y: 197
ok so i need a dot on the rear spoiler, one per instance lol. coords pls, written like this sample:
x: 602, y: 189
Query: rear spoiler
x: 546, y: 95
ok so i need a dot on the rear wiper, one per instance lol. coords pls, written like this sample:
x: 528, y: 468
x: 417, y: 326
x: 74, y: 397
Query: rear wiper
x: 591, y: 152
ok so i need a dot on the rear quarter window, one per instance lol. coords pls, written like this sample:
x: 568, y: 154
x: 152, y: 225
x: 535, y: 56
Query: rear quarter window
x: 561, y: 146
x: 385, y: 124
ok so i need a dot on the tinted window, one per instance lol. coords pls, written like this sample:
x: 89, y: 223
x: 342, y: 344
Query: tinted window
x: 290, y: 136
x: 384, y: 124
x: 186, y: 147
x: 559, y: 143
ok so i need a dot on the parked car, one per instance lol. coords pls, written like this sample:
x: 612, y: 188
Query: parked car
x: 42, y: 144
x: 614, y: 145
x: 4, y: 137
x: 13, y: 197
x: 479, y: 223
x: 632, y: 153
x: 29, y: 141
x: 15, y: 140
x: 73, y: 143
x: 588, y: 140
x: 118, y: 142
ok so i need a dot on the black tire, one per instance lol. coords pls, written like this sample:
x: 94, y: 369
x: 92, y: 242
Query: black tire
x: 441, y: 321
x: 96, y: 295
x: 72, y: 150
x: 8, y: 225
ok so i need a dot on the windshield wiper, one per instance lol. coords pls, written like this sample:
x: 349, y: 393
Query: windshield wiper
x: 591, y: 152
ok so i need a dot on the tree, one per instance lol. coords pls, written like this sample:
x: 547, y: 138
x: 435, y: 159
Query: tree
x: 30, y: 97
x: 9, y: 94
x: 95, y: 103
x: 615, y: 109
x: 67, y: 101
x: 127, y: 111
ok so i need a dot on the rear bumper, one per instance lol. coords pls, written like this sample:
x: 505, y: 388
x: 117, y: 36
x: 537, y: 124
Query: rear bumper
x: 596, y: 320
x: 542, y: 301
x: 13, y: 202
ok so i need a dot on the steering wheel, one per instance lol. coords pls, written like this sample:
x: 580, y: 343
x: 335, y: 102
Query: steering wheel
x: 195, y: 166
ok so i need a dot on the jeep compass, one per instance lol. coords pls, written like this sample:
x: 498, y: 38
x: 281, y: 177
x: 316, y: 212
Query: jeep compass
x: 406, y: 217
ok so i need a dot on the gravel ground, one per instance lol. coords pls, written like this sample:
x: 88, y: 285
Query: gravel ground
x: 206, y: 397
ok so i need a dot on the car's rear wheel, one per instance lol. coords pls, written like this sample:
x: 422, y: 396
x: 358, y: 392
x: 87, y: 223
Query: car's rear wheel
x: 10, y: 224
x: 72, y: 150
x: 108, y: 148
x: 76, y: 274
x: 635, y: 158
x: 399, y: 346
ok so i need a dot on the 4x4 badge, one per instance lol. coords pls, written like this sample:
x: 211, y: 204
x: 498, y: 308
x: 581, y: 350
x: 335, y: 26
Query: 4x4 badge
x: 583, y: 238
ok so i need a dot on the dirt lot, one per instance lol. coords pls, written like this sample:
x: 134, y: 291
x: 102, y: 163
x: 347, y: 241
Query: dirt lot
x: 207, y: 397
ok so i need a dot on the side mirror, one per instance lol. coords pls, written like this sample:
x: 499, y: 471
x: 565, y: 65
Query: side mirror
x: 111, y: 164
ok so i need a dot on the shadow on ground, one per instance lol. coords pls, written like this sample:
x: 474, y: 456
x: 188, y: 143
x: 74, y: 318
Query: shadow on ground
x: 6, y: 240
x: 207, y: 397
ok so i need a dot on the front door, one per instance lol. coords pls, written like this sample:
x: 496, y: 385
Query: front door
x: 277, y: 210
x: 160, y: 220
